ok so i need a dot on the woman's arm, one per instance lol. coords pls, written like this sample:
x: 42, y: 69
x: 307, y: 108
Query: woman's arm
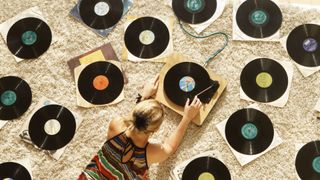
x: 158, y: 153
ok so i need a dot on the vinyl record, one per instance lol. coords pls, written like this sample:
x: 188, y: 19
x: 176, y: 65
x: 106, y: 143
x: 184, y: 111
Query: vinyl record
x: 29, y: 38
x: 194, y: 11
x: 303, y: 45
x: 264, y: 80
x: 308, y: 161
x: 249, y: 131
x: 100, y: 83
x: 186, y: 80
x: 101, y: 14
x: 259, y: 19
x: 147, y: 37
x: 206, y: 168
x: 52, y: 127
x: 15, y: 97
x: 12, y: 170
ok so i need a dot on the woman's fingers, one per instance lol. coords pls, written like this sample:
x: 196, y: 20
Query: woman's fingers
x: 156, y: 85
x: 156, y: 79
x: 187, y: 103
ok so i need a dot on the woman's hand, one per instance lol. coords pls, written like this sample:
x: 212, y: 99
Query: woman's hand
x: 191, y: 110
x: 150, y: 88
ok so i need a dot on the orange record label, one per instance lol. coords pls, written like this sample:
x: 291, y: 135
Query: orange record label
x: 100, y: 82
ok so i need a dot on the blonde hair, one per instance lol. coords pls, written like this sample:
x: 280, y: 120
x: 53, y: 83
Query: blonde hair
x: 146, y: 117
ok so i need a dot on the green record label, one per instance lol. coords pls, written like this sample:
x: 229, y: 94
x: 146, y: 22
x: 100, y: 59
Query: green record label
x: 264, y: 80
x: 29, y: 38
x: 206, y: 176
x: 259, y: 17
x: 8, y: 98
x: 194, y: 6
x: 249, y: 131
x: 316, y: 164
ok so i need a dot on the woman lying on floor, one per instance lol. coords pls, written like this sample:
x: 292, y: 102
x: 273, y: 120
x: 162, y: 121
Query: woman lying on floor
x: 127, y: 152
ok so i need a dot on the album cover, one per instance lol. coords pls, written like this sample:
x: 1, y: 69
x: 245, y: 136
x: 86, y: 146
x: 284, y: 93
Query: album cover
x: 16, y: 169
x: 33, y: 12
x: 81, y: 100
x: 104, y: 52
x: 282, y: 98
x: 199, y: 28
x: 304, y: 70
x: 177, y: 171
x: 75, y: 13
x: 272, y: 34
x: 244, y: 159
x: 24, y: 133
x: 149, y: 37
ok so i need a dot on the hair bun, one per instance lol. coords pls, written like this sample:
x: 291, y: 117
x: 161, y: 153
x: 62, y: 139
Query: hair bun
x: 140, y: 123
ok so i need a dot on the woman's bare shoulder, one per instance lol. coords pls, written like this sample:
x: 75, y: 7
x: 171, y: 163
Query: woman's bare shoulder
x: 116, y: 126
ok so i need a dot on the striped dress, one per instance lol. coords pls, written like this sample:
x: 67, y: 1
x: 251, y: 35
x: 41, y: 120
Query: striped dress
x: 109, y: 162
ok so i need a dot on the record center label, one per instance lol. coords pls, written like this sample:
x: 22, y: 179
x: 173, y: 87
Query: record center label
x: 147, y: 37
x: 316, y: 164
x: 258, y: 17
x: 194, y: 6
x: 101, y: 8
x: 29, y: 38
x: 249, y: 131
x: 310, y: 45
x: 206, y: 176
x: 187, y: 84
x: 52, y: 127
x: 264, y: 80
x: 8, y: 98
x: 100, y: 82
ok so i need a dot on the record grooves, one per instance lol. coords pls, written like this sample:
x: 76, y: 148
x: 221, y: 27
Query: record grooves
x: 29, y: 38
x: 15, y: 97
x: 308, y: 161
x: 147, y: 37
x: 65, y: 129
x: 249, y: 131
x: 264, y: 80
x: 303, y: 45
x: 259, y: 19
x: 101, y: 14
x: 12, y: 170
x: 100, y: 83
x: 194, y: 11
x: 206, y: 168
x: 186, y: 80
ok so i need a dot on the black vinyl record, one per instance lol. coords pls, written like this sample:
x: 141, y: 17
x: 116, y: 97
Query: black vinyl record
x: 29, y: 38
x: 203, y: 168
x: 12, y: 170
x: 100, y: 83
x: 15, y: 97
x: 308, y: 161
x: 186, y: 80
x: 264, y: 80
x: 249, y: 131
x: 259, y: 19
x: 147, y: 37
x: 101, y: 14
x: 52, y: 127
x: 303, y: 45
x: 194, y: 12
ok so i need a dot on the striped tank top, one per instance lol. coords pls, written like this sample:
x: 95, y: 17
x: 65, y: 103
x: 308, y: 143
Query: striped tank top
x: 110, y: 164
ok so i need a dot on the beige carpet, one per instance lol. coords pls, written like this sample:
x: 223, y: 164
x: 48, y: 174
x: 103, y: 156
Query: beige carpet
x: 50, y: 76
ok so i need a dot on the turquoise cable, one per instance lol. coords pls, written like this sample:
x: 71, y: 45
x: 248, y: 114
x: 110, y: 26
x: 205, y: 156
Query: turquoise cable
x: 226, y: 41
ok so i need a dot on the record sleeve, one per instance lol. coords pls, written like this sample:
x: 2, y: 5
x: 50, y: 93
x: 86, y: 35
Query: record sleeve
x: 24, y: 132
x: 244, y: 159
x: 256, y: 20
x: 145, y: 39
x: 75, y: 13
